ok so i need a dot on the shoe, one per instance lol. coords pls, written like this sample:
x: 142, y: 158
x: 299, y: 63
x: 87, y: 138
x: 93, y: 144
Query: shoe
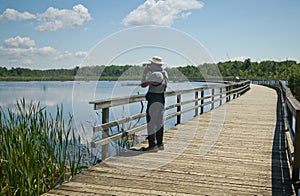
x: 150, y: 149
x: 160, y: 146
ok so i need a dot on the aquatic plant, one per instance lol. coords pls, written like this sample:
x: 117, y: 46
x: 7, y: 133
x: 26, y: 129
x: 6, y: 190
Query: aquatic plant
x: 38, y: 150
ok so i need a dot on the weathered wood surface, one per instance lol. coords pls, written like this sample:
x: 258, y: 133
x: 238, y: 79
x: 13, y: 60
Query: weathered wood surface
x: 236, y: 149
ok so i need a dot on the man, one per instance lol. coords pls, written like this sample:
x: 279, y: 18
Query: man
x: 157, y: 82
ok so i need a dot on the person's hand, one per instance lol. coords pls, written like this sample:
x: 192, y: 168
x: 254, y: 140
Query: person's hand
x: 144, y: 84
x: 146, y: 68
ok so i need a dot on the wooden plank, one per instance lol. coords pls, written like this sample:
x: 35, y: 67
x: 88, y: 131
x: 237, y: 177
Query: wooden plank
x: 245, y: 159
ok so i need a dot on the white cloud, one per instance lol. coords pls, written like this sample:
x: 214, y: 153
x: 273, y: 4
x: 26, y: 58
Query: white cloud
x: 81, y: 54
x: 54, y: 19
x: 22, y: 51
x: 161, y: 12
x: 25, y: 52
x: 185, y: 15
x: 12, y: 14
x: 68, y: 55
x: 27, y: 62
x: 47, y: 50
x: 62, y: 56
x: 19, y: 42
x: 24, y: 46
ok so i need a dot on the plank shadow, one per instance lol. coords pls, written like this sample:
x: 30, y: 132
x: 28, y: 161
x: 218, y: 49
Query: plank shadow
x: 281, y: 179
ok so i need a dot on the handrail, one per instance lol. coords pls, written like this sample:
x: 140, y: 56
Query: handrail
x: 232, y: 90
x: 111, y: 102
x: 292, y: 125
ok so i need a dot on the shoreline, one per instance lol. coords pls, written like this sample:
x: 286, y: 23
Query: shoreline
x: 50, y: 79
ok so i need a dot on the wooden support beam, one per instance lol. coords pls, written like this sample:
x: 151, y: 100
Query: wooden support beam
x: 105, y: 132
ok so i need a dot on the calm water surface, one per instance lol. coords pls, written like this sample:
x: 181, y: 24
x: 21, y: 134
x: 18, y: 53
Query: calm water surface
x: 74, y: 96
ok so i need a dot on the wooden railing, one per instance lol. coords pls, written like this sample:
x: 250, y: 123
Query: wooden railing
x: 292, y: 126
x: 266, y: 82
x: 218, y: 94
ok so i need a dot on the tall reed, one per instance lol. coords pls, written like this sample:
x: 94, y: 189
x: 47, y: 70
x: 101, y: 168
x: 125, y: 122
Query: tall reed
x: 37, y: 150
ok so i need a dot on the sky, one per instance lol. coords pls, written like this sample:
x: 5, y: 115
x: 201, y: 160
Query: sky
x: 53, y: 34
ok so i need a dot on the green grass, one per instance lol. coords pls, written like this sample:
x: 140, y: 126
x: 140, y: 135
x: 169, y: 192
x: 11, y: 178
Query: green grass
x: 37, y: 150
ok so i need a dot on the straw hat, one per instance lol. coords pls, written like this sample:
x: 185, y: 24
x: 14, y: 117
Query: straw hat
x: 156, y: 60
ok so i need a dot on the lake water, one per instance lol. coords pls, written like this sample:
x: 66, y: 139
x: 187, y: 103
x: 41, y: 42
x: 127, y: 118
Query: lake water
x: 74, y: 96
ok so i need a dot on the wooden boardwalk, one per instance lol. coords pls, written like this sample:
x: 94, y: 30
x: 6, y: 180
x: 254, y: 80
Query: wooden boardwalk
x: 236, y: 149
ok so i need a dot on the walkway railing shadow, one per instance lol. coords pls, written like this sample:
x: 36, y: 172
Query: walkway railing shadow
x: 287, y: 137
x: 281, y: 178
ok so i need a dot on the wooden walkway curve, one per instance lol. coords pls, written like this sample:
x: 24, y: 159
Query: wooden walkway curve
x: 236, y: 149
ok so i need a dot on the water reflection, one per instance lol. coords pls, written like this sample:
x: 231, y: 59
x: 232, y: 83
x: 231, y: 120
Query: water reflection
x: 74, y: 96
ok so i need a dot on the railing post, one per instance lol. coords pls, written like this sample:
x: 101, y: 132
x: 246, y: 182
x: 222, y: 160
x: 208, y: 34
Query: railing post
x: 221, y: 95
x: 105, y: 119
x: 296, y: 162
x: 227, y: 93
x: 196, y: 103
x: 235, y: 94
x: 247, y: 86
x: 212, y: 98
x: 178, y: 109
x: 289, y: 114
x: 202, y: 102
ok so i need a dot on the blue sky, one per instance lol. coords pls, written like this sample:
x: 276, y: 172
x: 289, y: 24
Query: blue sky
x: 62, y: 34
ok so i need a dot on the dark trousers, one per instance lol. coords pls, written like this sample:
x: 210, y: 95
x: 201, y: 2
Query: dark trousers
x: 155, y: 118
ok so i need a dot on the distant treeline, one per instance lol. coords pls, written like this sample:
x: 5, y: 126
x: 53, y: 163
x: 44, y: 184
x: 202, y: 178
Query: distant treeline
x: 112, y: 72
x: 265, y: 70
x: 25, y: 74
x: 246, y: 70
